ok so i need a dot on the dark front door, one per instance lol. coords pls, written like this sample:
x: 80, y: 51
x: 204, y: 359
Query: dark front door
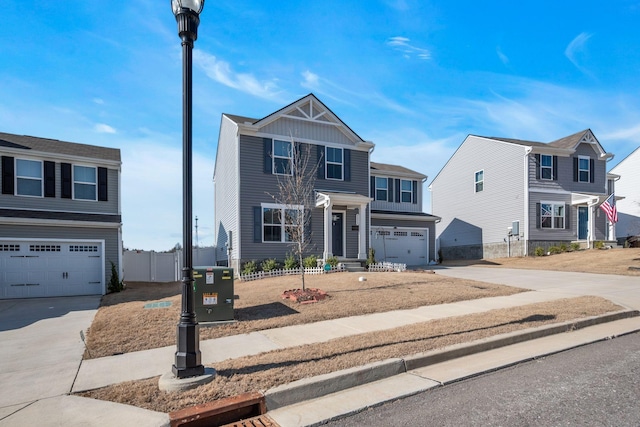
x: 337, y: 228
x: 583, y: 222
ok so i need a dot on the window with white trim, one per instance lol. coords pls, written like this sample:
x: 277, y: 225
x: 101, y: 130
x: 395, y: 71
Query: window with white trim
x: 382, y: 188
x: 279, y: 223
x: 29, y: 178
x: 584, y: 170
x: 479, y: 181
x: 282, y: 157
x: 406, y: 191
x: 546, y: 167
x: 552, y: 215
x: 85, y: 181
x: 334, y: 163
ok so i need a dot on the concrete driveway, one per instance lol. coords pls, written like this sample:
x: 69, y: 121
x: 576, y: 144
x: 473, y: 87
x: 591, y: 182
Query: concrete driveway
x: 41, y: 348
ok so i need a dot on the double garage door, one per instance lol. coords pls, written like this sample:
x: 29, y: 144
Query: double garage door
x: 401, y: 245
x: 30, y: 268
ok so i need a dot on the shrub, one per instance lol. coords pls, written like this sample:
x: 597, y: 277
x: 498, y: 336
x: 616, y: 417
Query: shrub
x: 115, y: 284
x: 575, y: 246
x: 333, y: 261
x: 598, y: 244
x: 539, y: 251
x: 269, y: 264
x: 554, y: 250
x: 563, y: 247
x: 310, y: 262
x: 290, y: 262
x: 249, y: 267
x: 371, y: 258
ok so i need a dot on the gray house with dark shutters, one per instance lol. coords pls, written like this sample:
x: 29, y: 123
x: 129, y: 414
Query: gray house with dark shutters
x: 252, y: 153
x: 500, y: 197
x: 60, y: 217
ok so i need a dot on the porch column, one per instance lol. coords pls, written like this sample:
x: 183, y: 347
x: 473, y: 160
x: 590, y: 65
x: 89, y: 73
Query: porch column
x: 328, y: 249
x: 362, y: 233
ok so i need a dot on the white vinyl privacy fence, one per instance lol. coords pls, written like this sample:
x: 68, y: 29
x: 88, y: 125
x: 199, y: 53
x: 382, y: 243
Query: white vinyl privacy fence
x: 150, y: 266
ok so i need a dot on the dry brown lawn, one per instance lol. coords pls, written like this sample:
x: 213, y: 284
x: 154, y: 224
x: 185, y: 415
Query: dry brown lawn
x: 260, y: 307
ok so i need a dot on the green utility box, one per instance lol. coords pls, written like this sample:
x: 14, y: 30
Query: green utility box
x: 213, y: 294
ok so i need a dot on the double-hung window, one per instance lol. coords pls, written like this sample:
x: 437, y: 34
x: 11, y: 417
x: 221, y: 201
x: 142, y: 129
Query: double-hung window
x: 280, y: 224
x: 334, y: 163
x: 282, y: 157
x: 584, y: 171
x: 546, y: 167
x: 479, y: 181
x: 85, y: 183
x: 406, y: 191
x: 28, y: 178
x: 551, y: 215
x: 382, y: 190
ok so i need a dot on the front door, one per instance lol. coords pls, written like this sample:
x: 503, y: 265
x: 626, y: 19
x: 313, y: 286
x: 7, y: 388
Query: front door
x: 337, y: 233
x: 583, y: 222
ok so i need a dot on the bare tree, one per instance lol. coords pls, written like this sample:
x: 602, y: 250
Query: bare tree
x: 296, y: 194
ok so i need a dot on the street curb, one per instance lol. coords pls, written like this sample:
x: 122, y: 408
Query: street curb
x: 315, y: 387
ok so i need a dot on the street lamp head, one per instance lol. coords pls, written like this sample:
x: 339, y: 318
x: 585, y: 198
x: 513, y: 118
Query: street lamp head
x: 190, y: 5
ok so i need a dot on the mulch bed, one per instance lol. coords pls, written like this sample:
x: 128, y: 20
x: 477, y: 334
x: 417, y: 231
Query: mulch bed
x: 305, y: 296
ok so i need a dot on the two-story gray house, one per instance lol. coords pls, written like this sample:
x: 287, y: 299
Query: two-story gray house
x: 60, y: 217
x: 400, y: 232
x: 501, y: 197
x: 253, y: 153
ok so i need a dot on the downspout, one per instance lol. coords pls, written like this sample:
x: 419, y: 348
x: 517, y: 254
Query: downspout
x: 527, y: 151
x: 368, y: 233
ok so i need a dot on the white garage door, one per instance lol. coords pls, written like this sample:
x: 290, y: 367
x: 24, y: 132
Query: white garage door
x: 402, y: 245
x: 31, y: 268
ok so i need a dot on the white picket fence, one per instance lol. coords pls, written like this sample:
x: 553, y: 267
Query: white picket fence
x: 277, y: 273
x: 387, y: 266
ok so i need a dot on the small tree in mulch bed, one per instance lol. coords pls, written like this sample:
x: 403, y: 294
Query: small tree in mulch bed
x: 305, y: 296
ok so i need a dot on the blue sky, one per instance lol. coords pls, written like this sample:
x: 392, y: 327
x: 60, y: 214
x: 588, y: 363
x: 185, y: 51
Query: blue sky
x: 414, y: 77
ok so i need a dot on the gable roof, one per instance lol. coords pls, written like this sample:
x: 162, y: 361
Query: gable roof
x: 54, y: 146
x: 384, y: 168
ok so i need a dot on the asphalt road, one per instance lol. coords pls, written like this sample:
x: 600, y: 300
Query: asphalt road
x: 595, y: 385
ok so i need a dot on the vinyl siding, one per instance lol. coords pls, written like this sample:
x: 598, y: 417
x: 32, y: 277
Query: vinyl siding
x: 599, y: 186
x: 470, y: 218
x: 628, y: 186
x: 399, y: 206
x: 547, y: 234
x: 109, y: 235
x: 306, y: 130
x: 226, y: 189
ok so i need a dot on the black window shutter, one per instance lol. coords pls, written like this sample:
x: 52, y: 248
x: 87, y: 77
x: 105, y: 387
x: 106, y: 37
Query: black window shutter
x: 347, y: 164
x: 397, y: 181
x: 102, y: 185
x: 555, y: 168
x: 320, y: 161
x: 7, y: 175
x: 257, y: 224
x: 49, y: 179
x: 537, y: 215
x: 372, y: 190
x: 575, y: 169
x: 307, y: 224
x: 538, y: 166
x: 65, y: 172
x: 414, y: 197
x: 266, y: 148
x: 567, y: 216
x: 592, y: 170
x: 390, y: 189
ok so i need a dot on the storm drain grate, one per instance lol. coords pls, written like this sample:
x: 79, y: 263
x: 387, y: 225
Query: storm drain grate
x: 260, y: 421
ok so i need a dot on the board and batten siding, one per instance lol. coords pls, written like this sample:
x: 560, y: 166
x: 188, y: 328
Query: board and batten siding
x: 109, y: 235
x: 58, y: 204
x: 226, y: 189
x: 470, y: 218
x: 256, y: 187
x: 628, y: 186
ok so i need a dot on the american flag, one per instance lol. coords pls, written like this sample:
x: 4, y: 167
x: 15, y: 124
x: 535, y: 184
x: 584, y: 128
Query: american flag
x: 609, y: 207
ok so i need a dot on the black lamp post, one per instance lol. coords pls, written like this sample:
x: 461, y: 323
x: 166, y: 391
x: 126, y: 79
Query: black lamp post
x: 187, y: 361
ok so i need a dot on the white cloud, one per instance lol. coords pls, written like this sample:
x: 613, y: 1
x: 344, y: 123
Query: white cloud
x: 577, y: 48
x: 103, y: 128
x: 98, y: 101
x: 311, y: 80
x: 221, y: 72
x: 402, y: 44
x: 503, y: 58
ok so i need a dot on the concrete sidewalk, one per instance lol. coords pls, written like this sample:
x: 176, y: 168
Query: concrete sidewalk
x: 57, y: 408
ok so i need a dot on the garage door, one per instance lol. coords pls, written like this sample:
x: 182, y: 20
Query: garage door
x: 49, y: 268
x: 402, y: 245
